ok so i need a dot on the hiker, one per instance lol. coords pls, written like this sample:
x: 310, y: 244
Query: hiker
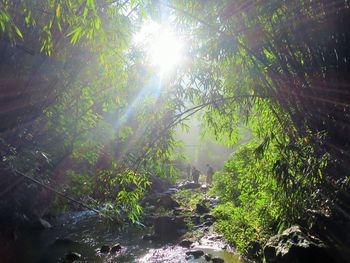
x: 210, y: 173
x: 195, y: 175
x: 188, y: 171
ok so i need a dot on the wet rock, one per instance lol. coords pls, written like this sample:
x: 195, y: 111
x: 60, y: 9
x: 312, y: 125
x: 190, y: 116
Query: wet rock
x: 208, y: 223
x: 208, y: 257
x: 39, y: 224
x: 189, y: 186
x: 157, y: 185
x: 116, y: 248
x: 195, y: 253
x: 72, y: 256
x: 178, y: 211
x: 161, y: 200
x: 148, y: 237
x: 180, y: 222
x: 148, y: 220
x: 201, y: 208
x: 208, y: 217
x: 254, y: 250
x: 295, y: 245
x: 204, y: 188
x: 196, y: 219
x: 218, y: 260
x: 212, y: 200
x: 186, y: 243
x: 171, y: 190
x: 215, y: 237
x: 105, y: 249
x: 166, y: 227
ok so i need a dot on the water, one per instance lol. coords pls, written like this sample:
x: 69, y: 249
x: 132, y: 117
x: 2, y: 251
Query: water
x: 89, y: 232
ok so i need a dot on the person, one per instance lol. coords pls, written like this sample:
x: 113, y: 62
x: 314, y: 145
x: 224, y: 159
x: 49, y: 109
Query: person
x: 210, y: 173
x: 195, y: 175
x: 188, y: 171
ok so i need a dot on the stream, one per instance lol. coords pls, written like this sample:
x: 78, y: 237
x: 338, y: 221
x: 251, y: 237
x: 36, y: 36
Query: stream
x: 85, y: 233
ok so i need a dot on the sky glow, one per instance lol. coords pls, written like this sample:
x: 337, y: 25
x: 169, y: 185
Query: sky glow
x: 163, y: 48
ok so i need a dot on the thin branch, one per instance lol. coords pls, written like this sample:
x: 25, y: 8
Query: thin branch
x: 56, y: 192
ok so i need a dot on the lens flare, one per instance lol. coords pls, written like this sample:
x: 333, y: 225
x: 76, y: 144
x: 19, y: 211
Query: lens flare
x: 163, y: 47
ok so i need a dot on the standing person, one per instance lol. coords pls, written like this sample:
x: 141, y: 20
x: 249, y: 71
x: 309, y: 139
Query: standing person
x: 195, y: 175
x: 210, y: 173
x: 188, y: 171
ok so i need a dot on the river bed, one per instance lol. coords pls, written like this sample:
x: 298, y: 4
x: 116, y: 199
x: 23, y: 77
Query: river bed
x: 85, y: 232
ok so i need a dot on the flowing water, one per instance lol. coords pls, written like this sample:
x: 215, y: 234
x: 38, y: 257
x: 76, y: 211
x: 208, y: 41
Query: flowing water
x: 85, y: 233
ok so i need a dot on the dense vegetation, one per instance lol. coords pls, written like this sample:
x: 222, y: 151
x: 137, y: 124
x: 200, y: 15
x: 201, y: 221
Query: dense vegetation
x: 82, y: 112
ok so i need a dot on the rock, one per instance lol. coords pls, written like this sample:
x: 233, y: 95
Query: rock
x: 171, y: 190
x: 161, y: 200
x: 189, y: 186
x: 254, y: 251
x: 204, y: 187
x: 195, y: 253
x: 208, y: 257
x: 116, y: 248
x: 41, y: 224
x: 202, y: 209
x: 295, y: 245
x: 186, y: 243
x: 178, y: 211
x: 167, y: 228
x: 208, y: 217
x: 213, y: 200
x: 105, y: 249
x: 196, y: 219
x: 157, y: 185
x: 218, y: 260
x: 72, y: 256
x: 208, y: 223
x: 148, y: 237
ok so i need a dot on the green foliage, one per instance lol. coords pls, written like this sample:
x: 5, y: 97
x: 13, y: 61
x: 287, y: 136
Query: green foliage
x: 85, y: 96
x: 266, y: 189
x: 189, y: 198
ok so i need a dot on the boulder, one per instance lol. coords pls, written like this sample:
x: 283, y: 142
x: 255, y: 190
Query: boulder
x: 195, y: 253
x: 254, y: 251
x: 208, y: 257
x: 116, y: 248
x: 179, y: 211
x: 171, y: 190
x: 161, y: 200
x: 105, y: 249
x: 167, y: 228
x: 41, y: 224
x: 202, y: 209
x: 148, y: 237
x: 157, y: 185
x: 208, y: 223
x: 208, y: 217
x: 72, y: 256
x: 186, y: 243
x: 295, y: 245
x: 196, y: 219
x: 217, y: 260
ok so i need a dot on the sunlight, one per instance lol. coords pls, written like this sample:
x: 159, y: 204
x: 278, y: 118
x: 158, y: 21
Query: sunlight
x: 163, y: 48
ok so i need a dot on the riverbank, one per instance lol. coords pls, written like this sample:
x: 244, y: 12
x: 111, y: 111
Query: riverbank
x: 176, y: 227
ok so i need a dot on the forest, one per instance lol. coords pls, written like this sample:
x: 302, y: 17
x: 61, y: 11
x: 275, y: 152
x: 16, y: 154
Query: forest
x: 97, y: 96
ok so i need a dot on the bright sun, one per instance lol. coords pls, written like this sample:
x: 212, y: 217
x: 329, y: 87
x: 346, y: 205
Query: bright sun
x: 162, y: 46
